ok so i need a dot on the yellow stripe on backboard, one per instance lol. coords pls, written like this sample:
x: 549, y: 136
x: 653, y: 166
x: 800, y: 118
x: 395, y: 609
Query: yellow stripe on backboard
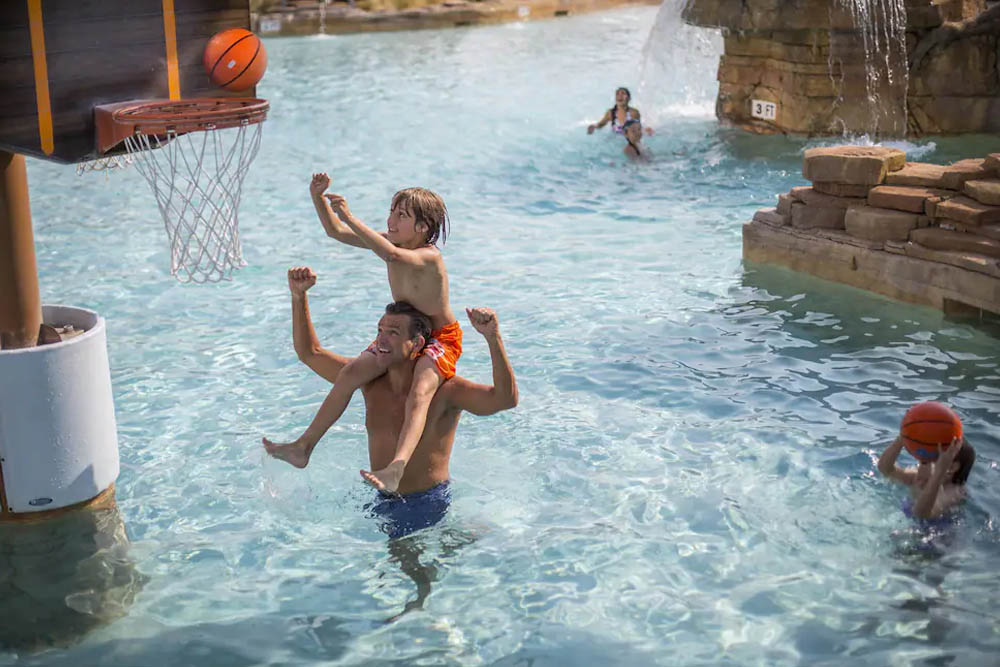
x: 41, y: 75
x: 170, y: 36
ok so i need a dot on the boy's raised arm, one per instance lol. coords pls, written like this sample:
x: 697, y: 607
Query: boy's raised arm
x: 480, y: 399
x: 334, y: 228
x: 377, y: 242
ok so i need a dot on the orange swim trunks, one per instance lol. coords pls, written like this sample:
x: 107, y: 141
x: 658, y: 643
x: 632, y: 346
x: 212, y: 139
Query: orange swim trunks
x: 445, y: 347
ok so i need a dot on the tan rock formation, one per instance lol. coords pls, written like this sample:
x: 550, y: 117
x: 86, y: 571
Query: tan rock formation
x: 852, y: 165
x: 945, y: 239
x: 965, y: 260
x: 956, y: 174
x: 879, y: 224
x: 784, y: 204
x: 770, y: 216
x: 842, y: 189
x: 905, y: 277
x: 917, y: 243
x: 984, y: 191
x: 811, y: 197
x: 990, y: 231
x: 967, y: 210
x: 808, y: 58
x: 918, y: 173
x: 903, y: 198
x: 808, y: 217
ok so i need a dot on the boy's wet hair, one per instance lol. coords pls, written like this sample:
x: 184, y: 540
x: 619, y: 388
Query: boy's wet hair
x: 965, y: 458
x: 420, y: 324
x: 428, y: 208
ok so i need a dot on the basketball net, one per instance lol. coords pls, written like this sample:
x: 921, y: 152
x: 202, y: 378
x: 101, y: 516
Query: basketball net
x: 197, y: 179
x: 105, y: 164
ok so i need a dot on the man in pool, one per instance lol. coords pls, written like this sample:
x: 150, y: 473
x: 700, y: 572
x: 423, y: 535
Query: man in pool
x: 422, y: 496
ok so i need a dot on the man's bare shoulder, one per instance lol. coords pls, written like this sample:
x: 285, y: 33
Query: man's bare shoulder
x: 453, y: 387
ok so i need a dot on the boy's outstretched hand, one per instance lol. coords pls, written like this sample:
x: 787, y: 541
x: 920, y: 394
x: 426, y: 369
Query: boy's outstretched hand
x: 300, y: 279
x: 484, y: 320
x: 339, y: 205
x: 319, y: 184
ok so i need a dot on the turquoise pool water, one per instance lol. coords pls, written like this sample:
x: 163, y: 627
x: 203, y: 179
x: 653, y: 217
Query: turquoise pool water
x: 689, y: 478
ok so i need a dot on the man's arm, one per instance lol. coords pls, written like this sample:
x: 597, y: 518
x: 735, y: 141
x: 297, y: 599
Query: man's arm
x: 887, y: 464
x: 334, y: 228
x: 324, y: 363
x: 480, y: 399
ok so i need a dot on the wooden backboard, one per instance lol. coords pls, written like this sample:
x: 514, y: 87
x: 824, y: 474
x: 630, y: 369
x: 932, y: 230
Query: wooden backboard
x: 61, y: 58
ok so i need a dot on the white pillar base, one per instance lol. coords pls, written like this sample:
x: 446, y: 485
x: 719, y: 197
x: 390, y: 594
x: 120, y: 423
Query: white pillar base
x: 58, y: 439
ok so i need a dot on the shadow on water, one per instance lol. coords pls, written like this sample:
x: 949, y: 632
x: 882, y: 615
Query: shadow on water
x: 283, y: 640
x: 407, y: 552
x: 554, y: 645
x: 63, y: 577
x: 287, y: 637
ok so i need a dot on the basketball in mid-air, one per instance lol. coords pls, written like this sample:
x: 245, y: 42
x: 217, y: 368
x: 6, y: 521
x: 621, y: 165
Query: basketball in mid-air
x: 235, y: 59
x: 927, y: 425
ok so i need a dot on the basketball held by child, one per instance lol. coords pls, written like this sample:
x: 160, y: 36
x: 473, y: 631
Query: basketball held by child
x: 928, y: 428
x: 235, y: 59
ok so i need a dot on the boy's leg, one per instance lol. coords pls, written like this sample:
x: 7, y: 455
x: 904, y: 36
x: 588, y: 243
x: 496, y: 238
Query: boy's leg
x: 357, y: 373
x: 426, y: 381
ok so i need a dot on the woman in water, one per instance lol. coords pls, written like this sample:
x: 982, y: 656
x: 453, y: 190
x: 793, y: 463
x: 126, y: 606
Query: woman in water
x: 935, y: 487
x: 619, y: 114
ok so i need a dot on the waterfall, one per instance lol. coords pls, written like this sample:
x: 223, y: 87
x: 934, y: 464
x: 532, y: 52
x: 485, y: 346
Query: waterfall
x: 875, y: 52
x: 679, y: 66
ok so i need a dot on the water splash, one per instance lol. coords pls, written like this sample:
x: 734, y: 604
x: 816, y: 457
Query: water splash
x: 679, y: 65
x: 875, y: 53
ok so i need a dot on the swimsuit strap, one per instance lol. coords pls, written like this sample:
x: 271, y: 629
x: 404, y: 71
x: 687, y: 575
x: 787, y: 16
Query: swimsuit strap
x: 638, y: 153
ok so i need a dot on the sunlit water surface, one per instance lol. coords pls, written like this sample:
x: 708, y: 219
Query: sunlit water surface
x: 689, y: 477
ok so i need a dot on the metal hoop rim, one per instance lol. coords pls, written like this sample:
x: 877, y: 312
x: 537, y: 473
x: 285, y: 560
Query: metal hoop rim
x: 190, y: 115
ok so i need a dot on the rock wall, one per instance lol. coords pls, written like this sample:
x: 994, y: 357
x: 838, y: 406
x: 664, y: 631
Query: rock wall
x: 808, y: 59
x: 923, y: 233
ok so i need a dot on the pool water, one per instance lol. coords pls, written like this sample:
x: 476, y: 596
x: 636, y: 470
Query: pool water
x: 689, y: 478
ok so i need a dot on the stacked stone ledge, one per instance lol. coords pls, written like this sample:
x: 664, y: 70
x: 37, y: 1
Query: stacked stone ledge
x: 870, y: 197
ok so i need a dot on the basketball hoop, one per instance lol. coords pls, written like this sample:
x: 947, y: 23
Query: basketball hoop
x: 195, y: 170
x: 105, y: 164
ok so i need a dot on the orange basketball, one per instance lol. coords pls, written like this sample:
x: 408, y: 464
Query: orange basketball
x: 927, y: 425
x: 235, y: 59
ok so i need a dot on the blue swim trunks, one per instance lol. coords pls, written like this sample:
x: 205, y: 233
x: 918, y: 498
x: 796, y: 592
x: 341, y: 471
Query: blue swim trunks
x: 400, y: 516
x: 936, y: 523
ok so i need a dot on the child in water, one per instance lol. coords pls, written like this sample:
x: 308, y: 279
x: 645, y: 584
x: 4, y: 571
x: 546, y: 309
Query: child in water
x: 935, y: 487
x: 417, y: 275
x: 618, y: 115
x: 633, y: 135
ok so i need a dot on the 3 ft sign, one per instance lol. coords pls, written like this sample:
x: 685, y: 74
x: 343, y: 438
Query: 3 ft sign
x: 763, y: 110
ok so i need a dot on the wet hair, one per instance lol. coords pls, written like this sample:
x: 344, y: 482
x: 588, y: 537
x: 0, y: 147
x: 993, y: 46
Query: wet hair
x: 626, y: 92
x: 965, y: 458
x: 420, y: 324
x: 428, y: 208
x: 630, y: 123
